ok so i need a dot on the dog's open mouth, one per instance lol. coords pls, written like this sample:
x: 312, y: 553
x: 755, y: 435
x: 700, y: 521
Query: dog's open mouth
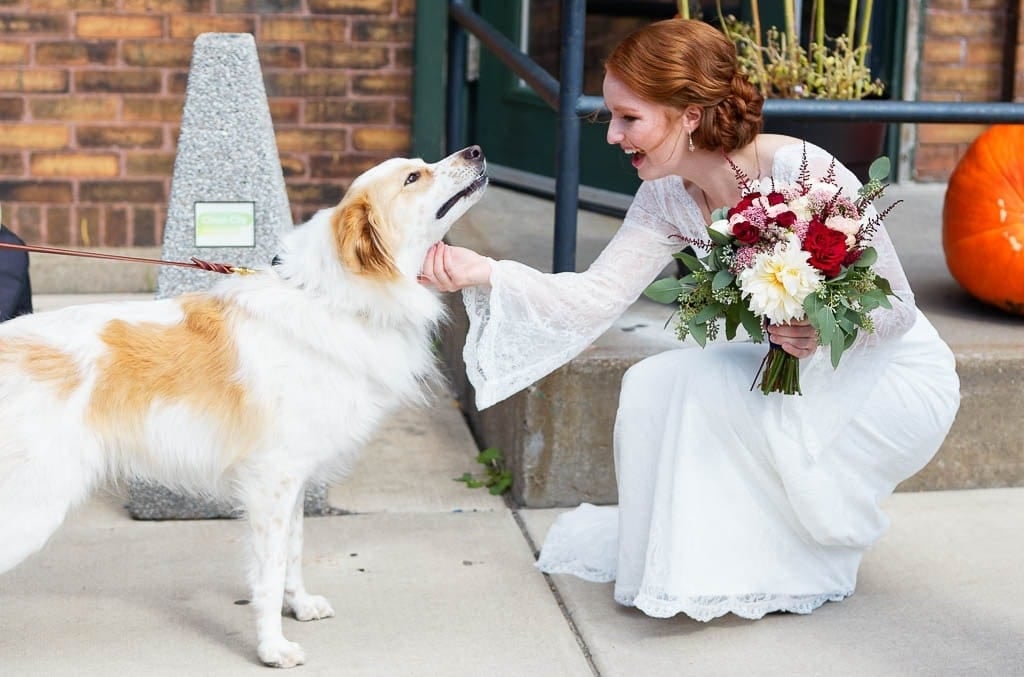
x: 478, y: 183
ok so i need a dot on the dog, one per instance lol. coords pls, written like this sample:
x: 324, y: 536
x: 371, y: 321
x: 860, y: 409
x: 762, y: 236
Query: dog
x: 246, y: 391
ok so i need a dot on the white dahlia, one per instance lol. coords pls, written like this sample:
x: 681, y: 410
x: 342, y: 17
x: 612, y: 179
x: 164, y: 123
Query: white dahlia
x: 779, y: 280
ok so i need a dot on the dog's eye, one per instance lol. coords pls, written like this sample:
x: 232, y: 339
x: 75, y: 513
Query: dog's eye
x: 412, y: 178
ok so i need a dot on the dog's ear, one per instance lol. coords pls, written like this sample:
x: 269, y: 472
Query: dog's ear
x: 361, y: 243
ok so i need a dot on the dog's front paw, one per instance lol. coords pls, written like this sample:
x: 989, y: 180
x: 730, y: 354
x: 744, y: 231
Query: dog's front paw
x: 309, y: 607
x: 280, y: 653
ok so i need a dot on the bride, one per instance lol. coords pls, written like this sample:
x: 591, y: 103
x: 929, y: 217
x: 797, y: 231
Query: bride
x: 729, y: 500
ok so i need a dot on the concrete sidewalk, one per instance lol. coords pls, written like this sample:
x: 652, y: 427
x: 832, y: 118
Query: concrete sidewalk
x: 431, y: 578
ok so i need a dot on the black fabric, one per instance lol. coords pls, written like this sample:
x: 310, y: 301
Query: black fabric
x: 15, y: 285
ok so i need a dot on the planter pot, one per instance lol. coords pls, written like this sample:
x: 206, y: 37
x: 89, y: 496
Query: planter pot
x: 854, y: 143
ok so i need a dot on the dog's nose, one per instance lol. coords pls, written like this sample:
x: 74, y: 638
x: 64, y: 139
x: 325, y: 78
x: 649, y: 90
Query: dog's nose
x: 473, y: 153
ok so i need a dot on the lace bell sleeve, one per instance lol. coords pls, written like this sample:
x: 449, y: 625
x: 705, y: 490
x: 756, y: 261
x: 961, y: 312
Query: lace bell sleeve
x: 527, y: 323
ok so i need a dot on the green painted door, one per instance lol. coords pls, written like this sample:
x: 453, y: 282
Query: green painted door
x: 515, y: 126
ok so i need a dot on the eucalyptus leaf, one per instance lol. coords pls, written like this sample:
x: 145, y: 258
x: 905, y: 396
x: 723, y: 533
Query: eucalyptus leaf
x: 699, y: 332
x: 690, y: 261
x: 718, y: 237
x: 708, y: 312
x: 838, y: 345
x: 811, y: 304
x: 867, y: 258
x: 732, y: 320
x: 884, y: 285
x: 665, y: 290
x: 879, y: 169
x: 722, y: 279
x: 751, y: 324
x: 825, y: 323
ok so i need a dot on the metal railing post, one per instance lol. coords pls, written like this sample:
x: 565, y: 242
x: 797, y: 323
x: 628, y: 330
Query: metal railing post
x: 456, y: 83
x: 567, y: 159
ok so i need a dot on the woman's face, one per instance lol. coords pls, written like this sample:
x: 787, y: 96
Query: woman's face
x: 652, y: 134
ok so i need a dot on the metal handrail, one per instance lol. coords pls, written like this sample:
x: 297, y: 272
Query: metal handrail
x: 991, y: 112
x: 539, y: 80
x: 567, y: 99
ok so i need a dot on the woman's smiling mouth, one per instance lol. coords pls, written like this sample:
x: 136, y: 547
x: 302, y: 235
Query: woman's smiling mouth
x: 636, y: 157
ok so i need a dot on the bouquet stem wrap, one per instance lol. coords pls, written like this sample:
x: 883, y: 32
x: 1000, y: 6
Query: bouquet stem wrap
x: 780, y: 372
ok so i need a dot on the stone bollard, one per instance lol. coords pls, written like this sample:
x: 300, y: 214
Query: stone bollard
x: 228, y: 204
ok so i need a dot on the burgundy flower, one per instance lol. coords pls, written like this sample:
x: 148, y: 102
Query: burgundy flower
x: 827, y: 248
x: 746, y: 232
x: 744, y: 203
x: 852, y: 257
x: 785, y: 219
x: 776, y: 198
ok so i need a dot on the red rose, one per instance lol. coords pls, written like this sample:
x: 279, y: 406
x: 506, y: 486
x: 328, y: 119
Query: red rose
x: 744, y: 203
x: 746, y: 232
x: 827, y: 248
x: 786, y: 219
x: 776, y: 198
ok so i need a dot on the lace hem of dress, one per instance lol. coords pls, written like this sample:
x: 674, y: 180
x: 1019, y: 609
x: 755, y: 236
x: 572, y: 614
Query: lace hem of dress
x: 577, y: 569
x: 704, y: 608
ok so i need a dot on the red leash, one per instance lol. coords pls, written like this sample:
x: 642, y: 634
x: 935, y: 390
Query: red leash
x: 193, y: 263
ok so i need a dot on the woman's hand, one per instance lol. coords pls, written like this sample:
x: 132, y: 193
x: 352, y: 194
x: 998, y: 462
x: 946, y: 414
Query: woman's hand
x: 452, y: 268
x: 798, y: 338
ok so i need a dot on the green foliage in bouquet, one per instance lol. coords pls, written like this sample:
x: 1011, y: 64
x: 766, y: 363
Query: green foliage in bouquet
x: 838, y: 307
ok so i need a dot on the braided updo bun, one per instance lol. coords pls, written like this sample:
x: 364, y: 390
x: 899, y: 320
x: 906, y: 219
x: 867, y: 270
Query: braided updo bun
x: 680, y: 63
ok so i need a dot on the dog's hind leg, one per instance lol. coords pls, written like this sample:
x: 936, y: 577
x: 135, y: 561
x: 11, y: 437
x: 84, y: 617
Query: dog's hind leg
x: 269, y: 504
x: 304, y: 606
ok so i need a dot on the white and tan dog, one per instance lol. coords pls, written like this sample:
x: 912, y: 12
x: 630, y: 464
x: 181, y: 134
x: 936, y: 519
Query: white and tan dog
x: 247, y: 391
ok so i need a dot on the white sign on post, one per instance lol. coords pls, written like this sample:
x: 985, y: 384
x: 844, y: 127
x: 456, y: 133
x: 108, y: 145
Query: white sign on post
x: 225, y: 224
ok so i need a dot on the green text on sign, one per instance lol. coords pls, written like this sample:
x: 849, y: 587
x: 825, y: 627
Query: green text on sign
x: 225, y: 224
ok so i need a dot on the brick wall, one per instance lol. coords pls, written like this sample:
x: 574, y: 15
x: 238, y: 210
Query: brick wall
x: 91, y: 94
x: 962, y: 59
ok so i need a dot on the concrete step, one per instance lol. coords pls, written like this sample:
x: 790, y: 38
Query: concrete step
x: 573, y: 409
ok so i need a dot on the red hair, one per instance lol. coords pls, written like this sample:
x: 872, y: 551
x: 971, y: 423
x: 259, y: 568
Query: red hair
x: 680, y: 63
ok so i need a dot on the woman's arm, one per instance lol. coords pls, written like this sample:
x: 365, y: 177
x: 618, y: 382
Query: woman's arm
x: 524, y: 324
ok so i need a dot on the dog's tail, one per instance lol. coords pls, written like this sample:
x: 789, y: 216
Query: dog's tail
x: 43, y: 473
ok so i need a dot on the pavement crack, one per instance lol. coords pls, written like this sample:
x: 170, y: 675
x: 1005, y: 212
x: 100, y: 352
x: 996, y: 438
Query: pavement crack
x: 580, y: 641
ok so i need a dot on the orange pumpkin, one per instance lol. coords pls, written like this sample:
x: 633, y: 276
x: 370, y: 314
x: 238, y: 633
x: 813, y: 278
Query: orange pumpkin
x: 983, y: 218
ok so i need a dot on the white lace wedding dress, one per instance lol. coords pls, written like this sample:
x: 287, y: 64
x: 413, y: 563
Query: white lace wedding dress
x: 729, y: 500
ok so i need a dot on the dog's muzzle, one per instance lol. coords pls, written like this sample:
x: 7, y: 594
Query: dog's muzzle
x: 478, y: 183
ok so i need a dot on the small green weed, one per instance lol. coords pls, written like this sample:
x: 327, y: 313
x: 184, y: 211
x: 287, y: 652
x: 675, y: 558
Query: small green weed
x: 497, y: 478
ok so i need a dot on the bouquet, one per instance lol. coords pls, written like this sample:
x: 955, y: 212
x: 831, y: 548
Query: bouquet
x: 785, y: 253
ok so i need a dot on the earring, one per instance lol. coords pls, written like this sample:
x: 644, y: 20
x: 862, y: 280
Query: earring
x: 689, y: 139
